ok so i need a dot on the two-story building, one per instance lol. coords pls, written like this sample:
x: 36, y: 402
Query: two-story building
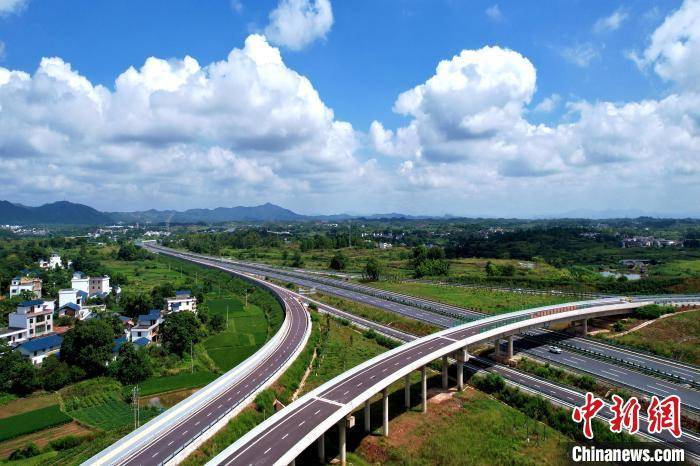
x: 54, y: 262
x: 19, y: 284
x: 38, y: 349
x: 14, y: 335
x: 71, y: 295
x: 147, y: 326
x: 35, y: 316
x: 183, y: 301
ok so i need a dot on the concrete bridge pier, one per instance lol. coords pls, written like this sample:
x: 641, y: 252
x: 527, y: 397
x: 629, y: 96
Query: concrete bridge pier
x: 510, y: 346
x: 367, y: 416
x: 445, y: 367
x: 321, y: 442
x: 342, y: 443
x: 385, y: 412
x: 424, y: 389
x: 584, y: 327
x: 461, y: 357
x: 407, y: 391
x: 497, y: 347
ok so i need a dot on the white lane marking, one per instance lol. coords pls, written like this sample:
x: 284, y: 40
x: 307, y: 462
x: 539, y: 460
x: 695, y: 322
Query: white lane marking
x: 185, y: 433
x: 284, y: 436
x: 317, y: 411
x: 346, y: 392
x: 155, y: 454
x: 266, y: 451
x: 171, y: 442
x: 302, y: 423
x: 197, y: 423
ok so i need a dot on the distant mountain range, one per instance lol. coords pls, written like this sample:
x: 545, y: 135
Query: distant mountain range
x: 68, y: 213
x: 62, y: 212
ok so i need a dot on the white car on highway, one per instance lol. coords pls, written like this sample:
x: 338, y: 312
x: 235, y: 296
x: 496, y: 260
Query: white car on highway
x: 555, y: 349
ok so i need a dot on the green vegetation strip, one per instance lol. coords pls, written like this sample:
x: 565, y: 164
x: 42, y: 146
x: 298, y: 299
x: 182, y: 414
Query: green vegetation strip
x: 477, y: 299
x: 176, y: 382
x: 32, y: 421
x: 676, y: 337
x: 378, y: 315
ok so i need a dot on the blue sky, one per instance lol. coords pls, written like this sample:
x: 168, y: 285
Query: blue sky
x: 359, y: 62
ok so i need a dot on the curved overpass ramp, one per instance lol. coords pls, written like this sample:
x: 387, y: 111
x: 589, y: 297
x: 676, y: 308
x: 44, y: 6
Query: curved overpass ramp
x: 173, y: 435
x: 286, y: 434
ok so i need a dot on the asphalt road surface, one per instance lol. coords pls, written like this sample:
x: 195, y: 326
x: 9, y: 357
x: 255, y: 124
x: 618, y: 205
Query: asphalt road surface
x: 188, y: 428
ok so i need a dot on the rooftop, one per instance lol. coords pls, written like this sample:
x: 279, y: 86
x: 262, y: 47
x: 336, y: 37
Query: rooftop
x: 33, y: 302
x: 42, y: 343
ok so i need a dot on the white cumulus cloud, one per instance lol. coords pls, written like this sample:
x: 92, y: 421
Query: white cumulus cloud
x: 244, y: 126
x: 8, y: 7
x: 294, y: 24
x: 674, y: 48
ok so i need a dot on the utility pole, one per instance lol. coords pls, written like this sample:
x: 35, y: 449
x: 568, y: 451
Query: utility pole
x: 135, y: 404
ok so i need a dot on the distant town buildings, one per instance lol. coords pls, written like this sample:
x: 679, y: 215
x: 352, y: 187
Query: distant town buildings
x: 31, y: 284
x: 648, y: 242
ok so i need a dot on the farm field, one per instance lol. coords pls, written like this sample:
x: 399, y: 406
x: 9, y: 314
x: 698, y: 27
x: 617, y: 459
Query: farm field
x: 479, y: 299
x: 169, y: 383
x: 21, y: 405
x: 32, y: 421
x: 143, y: 275
x: 43, y: 437
x: 246, y: 332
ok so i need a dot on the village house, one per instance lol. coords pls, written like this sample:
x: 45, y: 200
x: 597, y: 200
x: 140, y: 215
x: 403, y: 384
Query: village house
x: 35, y: 316
x: 183, y: 301
x: 38, y: 349
x: 147, y: 326
x: 54, y: 262
x: 19, y: 284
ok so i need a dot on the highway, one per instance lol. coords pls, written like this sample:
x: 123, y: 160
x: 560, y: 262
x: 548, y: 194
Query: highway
x: 558, y: 394
x: 170, y: 440
x: 611, y: 371
x: 282, y: 437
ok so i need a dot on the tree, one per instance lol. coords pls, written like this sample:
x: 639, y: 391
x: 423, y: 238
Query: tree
x: 339, y: 261
x: 136, y: 304
x: 129, y: 252
x: 54, y: 373
x: 88, y: 345
x: 180, y: 331
x: 132, y: 366
x: 217, y: 322
x: 17, y: 374
x: 491, y: 269
x: 297, y: 260
x: 372, y: 269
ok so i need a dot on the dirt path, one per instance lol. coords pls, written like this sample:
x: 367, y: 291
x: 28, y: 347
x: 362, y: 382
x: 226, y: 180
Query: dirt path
x: 649, y: 322
x: 296, y: 393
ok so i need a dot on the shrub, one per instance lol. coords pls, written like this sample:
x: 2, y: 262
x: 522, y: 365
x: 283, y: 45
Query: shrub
x: 26, y: 452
